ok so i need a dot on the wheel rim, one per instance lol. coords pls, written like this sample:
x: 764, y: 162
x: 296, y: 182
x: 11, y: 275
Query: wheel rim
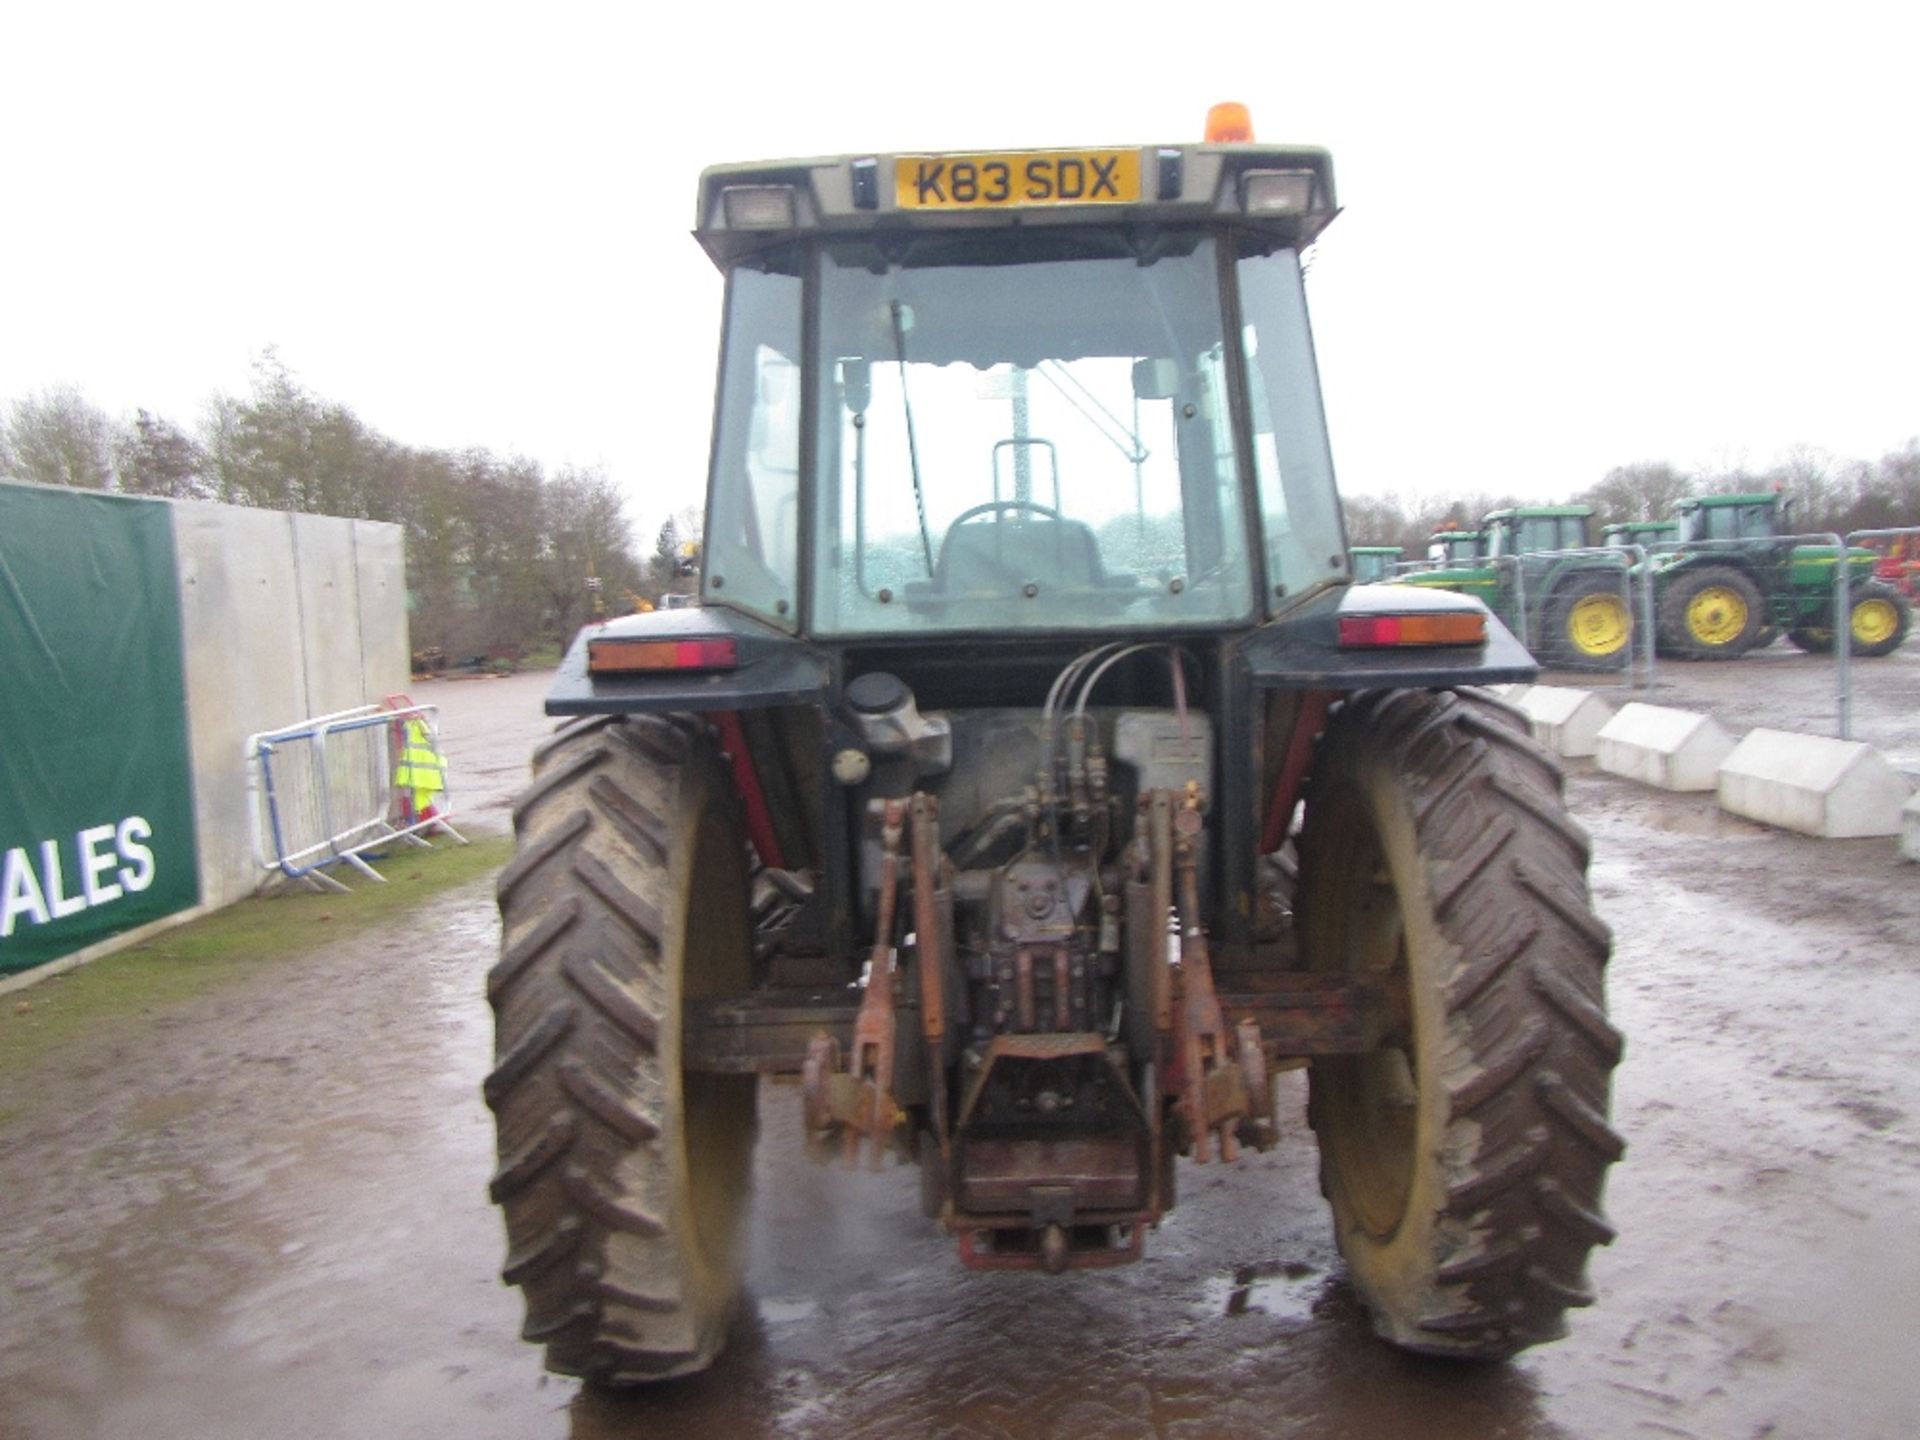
x: 1598, y: 625
x: 1717, y: 615
x: 717, y: 1110
x: 1377, y: 1099
x: 1874, y: 622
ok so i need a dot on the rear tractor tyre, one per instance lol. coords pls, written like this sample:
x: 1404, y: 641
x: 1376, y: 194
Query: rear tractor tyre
x: 1881, y: 618
x: 1713, y: 613
x: 1465, y: 1158
x: 622, y: 1177
x: 1589, y: 623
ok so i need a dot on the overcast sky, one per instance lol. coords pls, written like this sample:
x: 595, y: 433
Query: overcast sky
x: 1574, y: 236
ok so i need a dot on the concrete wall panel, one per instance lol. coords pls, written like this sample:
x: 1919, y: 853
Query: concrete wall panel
x: 276, y: 631
x: 380, y: 555
x: 240, y: 616
x: 329, y: 594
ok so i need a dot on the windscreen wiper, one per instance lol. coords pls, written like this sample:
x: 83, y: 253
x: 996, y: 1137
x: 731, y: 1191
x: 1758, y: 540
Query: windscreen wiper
x: 1115, y: 430
x: 913, y: 454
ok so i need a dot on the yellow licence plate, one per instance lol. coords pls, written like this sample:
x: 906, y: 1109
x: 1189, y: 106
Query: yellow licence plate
x: 987, y: 182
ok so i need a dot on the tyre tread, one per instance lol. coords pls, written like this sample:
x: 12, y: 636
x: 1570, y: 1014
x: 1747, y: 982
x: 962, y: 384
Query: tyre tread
x: 590, y: 925
x: 1525, y: 1073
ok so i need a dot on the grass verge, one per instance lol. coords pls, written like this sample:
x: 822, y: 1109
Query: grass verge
x: 226, y: 946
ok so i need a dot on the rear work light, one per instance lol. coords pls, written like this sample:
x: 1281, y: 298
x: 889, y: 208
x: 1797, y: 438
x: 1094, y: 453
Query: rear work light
x: 759, y: 207
x: 1375, y: 632
x: 1279, y: 192
x: 612, y: 655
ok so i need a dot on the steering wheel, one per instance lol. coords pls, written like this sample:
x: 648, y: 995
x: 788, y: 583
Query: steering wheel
x: 994, y: 507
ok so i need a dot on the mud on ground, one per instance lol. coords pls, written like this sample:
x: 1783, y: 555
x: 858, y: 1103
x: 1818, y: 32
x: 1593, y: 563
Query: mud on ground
x: 267, y: 1214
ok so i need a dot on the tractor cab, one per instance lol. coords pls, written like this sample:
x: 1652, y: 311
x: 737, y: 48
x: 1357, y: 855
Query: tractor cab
x: 1001, y: 394
x: 1372, y: 564
x: 1732, y: 517
x: 1645, y: 533
x: 1447, y: 548
x: 1536, y: 530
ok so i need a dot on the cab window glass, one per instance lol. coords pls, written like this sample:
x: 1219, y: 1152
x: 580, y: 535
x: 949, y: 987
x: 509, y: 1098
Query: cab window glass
x: 1025, y: 431
x: 1299, y: 506
x: 752, y: 536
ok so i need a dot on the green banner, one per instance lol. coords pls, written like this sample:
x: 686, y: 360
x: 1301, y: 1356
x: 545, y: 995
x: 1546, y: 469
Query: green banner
x: 96, y: 792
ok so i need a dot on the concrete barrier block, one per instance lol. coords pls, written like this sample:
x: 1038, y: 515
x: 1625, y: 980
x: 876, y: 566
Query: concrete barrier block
x: 1566, y: 721
x: 1813, y: 784
x: 1672, y: 749
x: 1910, y: 829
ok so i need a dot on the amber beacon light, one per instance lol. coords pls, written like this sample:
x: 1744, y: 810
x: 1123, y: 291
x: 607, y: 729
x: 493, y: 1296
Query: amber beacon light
x: 1229, y: 122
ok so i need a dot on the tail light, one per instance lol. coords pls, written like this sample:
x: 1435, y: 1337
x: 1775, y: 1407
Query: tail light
x: 612, y: 655
x: 1379, y: 632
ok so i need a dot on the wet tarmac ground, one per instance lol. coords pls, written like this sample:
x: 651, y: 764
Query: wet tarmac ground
x: 267, y: 1216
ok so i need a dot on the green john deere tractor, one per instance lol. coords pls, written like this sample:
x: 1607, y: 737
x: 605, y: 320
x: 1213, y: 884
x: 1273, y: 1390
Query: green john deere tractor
x: 1371, y: 564
x: 1577, y: 608
x: 1026, y: 626
x: 1735, y: 583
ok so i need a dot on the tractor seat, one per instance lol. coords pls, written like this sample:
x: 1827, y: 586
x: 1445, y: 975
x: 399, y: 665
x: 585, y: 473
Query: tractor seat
x: 997, y: 556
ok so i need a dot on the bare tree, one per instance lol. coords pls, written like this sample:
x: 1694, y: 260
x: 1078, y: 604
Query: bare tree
x: 588, y: 539
x: 1646, y: 490
x: 156, y: 457
x: 58, y: 438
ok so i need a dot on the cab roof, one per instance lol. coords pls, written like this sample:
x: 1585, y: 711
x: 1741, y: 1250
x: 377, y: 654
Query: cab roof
x: 1696, y: 502
x: 1542, y: 512
x: 1283, y: 190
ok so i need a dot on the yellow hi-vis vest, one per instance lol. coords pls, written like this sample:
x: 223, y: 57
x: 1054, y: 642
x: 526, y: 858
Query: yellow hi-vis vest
x: 420, y: 768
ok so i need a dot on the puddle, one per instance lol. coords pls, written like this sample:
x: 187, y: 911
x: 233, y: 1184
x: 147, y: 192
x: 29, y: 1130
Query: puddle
x: 785, y: 1312
x: 1285, y: 1289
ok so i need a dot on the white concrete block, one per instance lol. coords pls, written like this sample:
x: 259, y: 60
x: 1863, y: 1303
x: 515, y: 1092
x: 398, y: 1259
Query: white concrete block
x: 1509, y: 693
x: 1814, y: 784
x: 1566, y: 721
x: 1673, y: 749
x: 1910, y: 829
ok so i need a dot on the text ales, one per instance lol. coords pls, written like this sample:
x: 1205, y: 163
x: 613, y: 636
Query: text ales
x: 972, y: 182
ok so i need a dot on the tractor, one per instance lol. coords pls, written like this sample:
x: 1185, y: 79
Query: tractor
x: 1371, y: 564
x: 1026, y: 628
x: 1736, y: 582
x: 1574, y: 609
